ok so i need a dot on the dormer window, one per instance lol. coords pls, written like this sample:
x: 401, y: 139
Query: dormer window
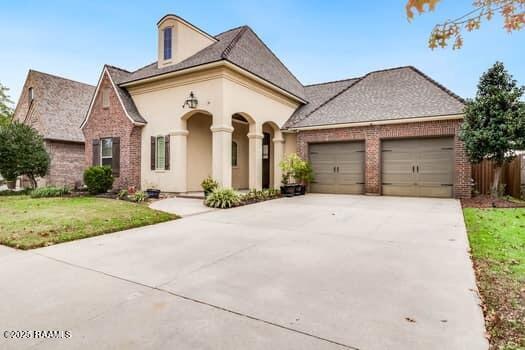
x: 167, y: 42
x: 30, y: 95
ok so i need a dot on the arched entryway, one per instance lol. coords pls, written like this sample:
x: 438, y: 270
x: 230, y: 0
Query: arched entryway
x: 199, y: 149
x: 270, y: 158
x: 240, y: 151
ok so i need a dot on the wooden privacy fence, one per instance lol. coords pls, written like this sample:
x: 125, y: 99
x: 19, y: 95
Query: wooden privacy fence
x: 511, y: 176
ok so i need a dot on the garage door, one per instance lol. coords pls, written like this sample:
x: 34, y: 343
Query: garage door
x: 418, y: 167
x: 338, y: 167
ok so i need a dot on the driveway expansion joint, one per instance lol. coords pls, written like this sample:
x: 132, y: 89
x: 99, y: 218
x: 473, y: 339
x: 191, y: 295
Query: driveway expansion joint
x: 253, y: 318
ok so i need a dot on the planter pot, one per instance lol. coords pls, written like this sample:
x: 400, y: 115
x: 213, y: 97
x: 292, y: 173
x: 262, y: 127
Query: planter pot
x: 152, y: 193
x: 11, y: 184
x: 299, y: 190
x: 288, y: 190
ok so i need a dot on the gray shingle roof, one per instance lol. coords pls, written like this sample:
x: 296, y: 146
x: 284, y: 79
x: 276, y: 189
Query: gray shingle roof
x: 118, y: 75
x: 390, y: 94
x: 60, y: 105
x: 240, y: 46
x: 317, y: 95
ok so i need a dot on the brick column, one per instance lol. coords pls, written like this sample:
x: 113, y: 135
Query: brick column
x: 463, y: 171
x: 372, y: 162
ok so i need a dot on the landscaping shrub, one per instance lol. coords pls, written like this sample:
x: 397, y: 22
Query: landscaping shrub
x: 98, y: 179
x: 122, y: 194
x: 139, y: 196
x: 15, y: 193
x: 260, y: 195
x: 208, y: 185
x: 223, y: 198
x: 49, y: 191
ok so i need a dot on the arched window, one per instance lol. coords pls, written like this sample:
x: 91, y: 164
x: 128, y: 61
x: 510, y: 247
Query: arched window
x: 234, y: 153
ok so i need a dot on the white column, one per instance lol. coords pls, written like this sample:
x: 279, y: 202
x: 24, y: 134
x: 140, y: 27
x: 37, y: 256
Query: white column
x: 278, y: 154
x: 255, y: 160
x: 178, y: 161
x: 222, y: 154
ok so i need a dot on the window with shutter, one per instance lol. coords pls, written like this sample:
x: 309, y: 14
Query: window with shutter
x: 106, y: 152
x: 161, y: 153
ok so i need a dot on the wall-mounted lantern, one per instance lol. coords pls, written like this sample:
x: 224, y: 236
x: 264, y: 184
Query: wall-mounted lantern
x: 191, y: 101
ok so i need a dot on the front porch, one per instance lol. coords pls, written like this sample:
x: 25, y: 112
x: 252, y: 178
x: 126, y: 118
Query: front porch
x: 238, y: 152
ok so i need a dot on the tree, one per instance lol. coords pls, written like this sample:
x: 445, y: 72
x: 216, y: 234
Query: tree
x: 494, y: 125
x: 512, y: 11
x: 22, y: 152
x: 6, y: 112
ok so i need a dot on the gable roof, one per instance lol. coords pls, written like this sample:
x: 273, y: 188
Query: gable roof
x: 116, y: 75
x: 397, y: 93
x: 59, y: 104
x: 241, y: 47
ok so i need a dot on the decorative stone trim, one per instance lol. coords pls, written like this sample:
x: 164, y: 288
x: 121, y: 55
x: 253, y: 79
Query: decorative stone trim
x: 254, y: 135
x: 223, y: 128
x: 179, y: 133
x: 278, y: 140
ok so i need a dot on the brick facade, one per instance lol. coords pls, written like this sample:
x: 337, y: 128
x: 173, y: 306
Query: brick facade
x: 67, y: 163
x: 113, y: 122
x: 372, y: 136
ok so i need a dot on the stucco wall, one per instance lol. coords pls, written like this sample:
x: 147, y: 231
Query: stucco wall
x: 186, y: 41
x: 220, y: 93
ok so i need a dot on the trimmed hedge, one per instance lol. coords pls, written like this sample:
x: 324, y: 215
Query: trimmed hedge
x: 98, y: 179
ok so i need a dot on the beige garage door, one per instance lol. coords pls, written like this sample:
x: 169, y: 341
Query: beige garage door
x: 418, y: 167
x: 338, y: 167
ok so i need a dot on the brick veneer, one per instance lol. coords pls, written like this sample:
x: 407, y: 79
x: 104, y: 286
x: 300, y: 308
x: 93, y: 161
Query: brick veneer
x: 372, y: 136
x: 67, y: 163
x: 113, y: 122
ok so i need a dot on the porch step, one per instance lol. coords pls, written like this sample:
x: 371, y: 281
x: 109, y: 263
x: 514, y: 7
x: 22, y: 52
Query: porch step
x: 194, y: 195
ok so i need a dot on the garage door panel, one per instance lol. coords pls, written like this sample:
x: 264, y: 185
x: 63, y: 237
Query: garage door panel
x: 435, y: 191
x: 418, y: 167
x: 338, y: 167
x: 400, y: 190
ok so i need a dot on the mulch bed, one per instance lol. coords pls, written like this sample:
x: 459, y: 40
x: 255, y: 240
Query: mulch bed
x: 489, y: 202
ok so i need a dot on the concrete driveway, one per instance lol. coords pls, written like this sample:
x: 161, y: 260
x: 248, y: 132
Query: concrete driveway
x: 314, y: 272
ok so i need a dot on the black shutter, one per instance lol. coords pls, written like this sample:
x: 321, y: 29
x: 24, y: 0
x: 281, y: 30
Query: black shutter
x: 167, y: 152
x: 115, y: 162
x: 96, y: 152
x: 153, y: 153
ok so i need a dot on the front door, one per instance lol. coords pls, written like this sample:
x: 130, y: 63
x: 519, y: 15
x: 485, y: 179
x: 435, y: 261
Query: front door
x: 266, y: 161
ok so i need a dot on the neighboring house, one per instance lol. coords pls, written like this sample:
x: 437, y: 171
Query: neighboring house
x: 225, y: 106
x: 55, y: 107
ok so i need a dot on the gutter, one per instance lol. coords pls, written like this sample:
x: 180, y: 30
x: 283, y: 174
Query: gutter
x: 378, y: 122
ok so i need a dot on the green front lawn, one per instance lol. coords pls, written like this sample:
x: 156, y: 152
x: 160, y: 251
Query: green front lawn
x: 27, y: 223
x: 497, y: 240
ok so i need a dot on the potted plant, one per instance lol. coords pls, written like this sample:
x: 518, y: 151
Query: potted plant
x: 208, y: 185
x: 152, y: 192
x: 287, y: 189
x: 304, y: 174
x: 287, y: 166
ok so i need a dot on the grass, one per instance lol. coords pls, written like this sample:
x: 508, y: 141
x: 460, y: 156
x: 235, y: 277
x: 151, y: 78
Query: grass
x: 497, y: 240
x: 27, y: 223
